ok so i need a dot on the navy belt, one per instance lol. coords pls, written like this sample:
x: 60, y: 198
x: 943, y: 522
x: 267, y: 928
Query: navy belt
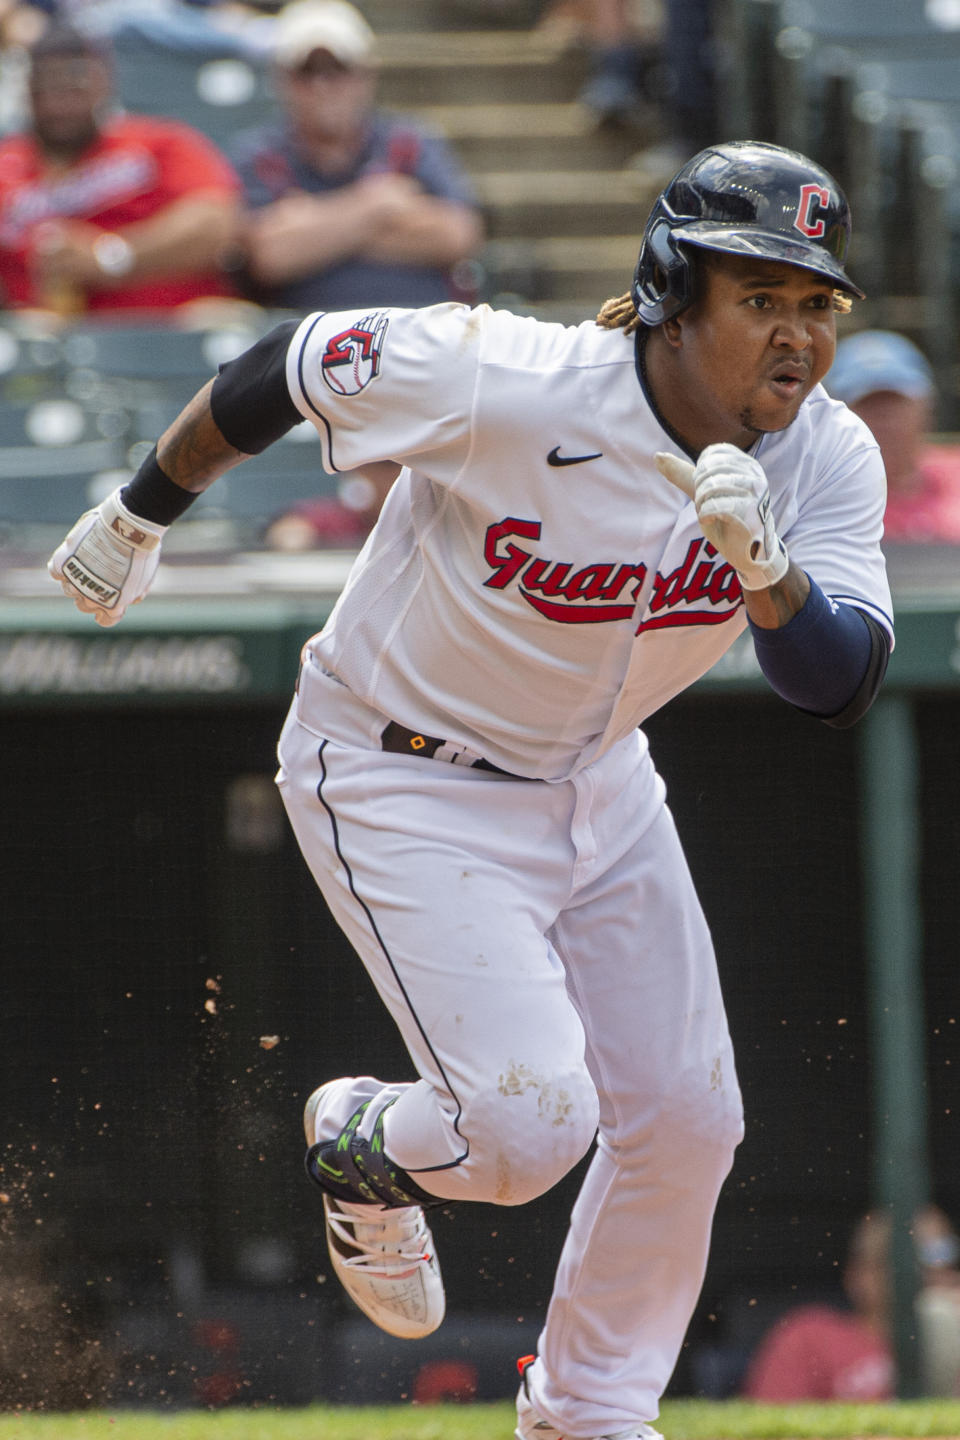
x: 399, y: 741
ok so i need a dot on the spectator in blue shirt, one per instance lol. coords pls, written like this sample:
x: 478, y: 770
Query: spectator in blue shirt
x: 347, y: 204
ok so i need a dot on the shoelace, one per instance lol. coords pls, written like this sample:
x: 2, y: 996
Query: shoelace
x: 394, y: 1241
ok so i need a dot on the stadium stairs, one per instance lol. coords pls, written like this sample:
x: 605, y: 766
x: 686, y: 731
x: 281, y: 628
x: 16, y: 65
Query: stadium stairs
x: 563, y: 198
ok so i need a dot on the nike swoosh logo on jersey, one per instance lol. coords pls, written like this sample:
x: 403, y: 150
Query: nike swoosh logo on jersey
x: 555, y: 458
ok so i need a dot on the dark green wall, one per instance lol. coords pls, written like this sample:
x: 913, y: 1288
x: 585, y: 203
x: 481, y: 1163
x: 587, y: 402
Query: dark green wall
x: 143, y: 856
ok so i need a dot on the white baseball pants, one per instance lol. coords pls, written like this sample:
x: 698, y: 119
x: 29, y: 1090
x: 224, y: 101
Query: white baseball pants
x: 542, y: 950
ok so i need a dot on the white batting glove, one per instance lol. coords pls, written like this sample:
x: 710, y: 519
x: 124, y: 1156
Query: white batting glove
x: 730, y: 491
x: 108, y: 560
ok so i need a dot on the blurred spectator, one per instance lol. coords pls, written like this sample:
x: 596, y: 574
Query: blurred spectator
x: 335, y: 522
x: 22, y: 24
x: 645, y: 77
x: 438, y: 1381
x: 195, y: 25
x: 886, y: 380
x: 690, y: 82
x: 348, y: 204
x: 614, y: 90
x: 105, y: 212
x: 199, y: 28
x: 818, y: 1352
x: 685, y: 89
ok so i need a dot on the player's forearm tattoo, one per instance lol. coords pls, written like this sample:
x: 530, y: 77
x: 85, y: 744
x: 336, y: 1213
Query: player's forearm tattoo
x: 775, y: 606
x: 192, y: 451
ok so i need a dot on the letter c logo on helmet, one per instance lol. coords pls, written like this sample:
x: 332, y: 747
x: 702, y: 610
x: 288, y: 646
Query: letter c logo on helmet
x: 812, y: 198
x: 744, y: 197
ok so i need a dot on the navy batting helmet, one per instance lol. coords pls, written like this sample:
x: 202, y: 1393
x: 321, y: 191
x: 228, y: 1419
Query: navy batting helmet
x: 744, y: 198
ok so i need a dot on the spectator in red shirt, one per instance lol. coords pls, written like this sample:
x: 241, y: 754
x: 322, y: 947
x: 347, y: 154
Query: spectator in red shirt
x: 819, y: 1352
x: 101, y: 211
x: 888, y: 382
x: 338, y: 522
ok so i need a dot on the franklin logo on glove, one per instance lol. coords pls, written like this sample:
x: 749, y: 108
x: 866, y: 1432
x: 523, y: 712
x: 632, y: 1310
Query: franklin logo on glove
x: 108, y: 560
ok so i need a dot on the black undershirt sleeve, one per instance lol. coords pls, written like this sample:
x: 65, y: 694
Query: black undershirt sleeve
x: 250, y: 401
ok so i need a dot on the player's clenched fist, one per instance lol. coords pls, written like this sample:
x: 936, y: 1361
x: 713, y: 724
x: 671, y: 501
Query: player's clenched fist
x: 108, y: 560
x: 732, y: 498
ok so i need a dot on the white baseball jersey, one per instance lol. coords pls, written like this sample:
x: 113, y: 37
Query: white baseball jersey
x: 534, y: 587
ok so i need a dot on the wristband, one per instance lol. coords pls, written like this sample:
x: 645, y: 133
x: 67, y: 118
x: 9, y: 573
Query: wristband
x: 154, y: 496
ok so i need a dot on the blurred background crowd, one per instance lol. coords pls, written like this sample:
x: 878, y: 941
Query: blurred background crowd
x: 202, y: 167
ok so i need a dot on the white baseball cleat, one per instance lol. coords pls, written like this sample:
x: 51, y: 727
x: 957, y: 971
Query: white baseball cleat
x: 383, y: 1256
x: 530, y: 1426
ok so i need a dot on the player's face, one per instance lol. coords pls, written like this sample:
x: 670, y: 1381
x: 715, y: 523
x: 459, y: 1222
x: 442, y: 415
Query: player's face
x: 753, y: 346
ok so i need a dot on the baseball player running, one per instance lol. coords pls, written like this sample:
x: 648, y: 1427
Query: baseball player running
x: 585, y: 519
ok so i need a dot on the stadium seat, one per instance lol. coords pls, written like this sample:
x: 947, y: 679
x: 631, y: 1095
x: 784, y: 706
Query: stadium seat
x: 268, y: 484
x: 153, y: 352
x: 779, y: 53
x: 856, y: 21
x: 31, y: 363
x: 219, y: 95
x: 903, y: 77
x: 51, y: 453
x: 52, y: 500
x: 149, y: 370
x: 871, y: 91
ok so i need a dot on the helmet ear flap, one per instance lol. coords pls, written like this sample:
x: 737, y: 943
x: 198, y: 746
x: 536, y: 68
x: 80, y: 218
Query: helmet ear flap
x: 663, y: 280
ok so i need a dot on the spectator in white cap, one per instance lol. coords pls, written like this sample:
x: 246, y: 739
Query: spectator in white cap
x: 348, y: 204
x: 886, y: 380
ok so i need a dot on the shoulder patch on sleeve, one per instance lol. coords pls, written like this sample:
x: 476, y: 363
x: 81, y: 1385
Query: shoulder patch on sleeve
x: 351, y: 359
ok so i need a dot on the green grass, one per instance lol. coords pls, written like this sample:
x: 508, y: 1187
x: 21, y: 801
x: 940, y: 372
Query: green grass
x: 681, y: 1420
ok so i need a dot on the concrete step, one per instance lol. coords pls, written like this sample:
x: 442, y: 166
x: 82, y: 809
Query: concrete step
x: 565, y: 207
x: 485, y: 47
x: 549, y: 136
x: 571, y: 202
x: 472, y: 66
x: 434, y: 15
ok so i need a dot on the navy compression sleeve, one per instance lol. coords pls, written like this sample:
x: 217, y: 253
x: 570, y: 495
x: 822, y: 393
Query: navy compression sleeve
x: 828, y: 660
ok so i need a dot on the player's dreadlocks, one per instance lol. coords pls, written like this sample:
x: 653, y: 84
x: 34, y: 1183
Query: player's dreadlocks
x: 619, y: 313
